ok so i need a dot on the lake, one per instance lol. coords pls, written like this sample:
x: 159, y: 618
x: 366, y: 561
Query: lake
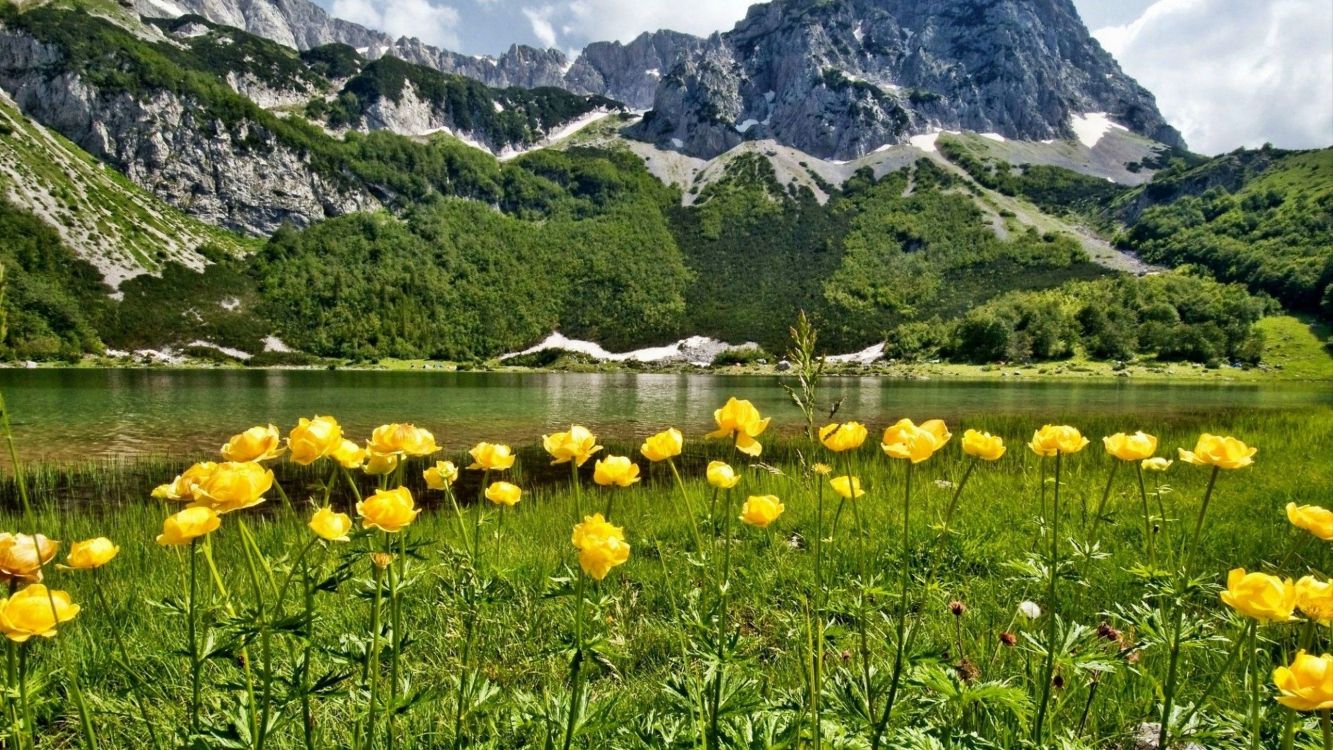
x: 81, y: 413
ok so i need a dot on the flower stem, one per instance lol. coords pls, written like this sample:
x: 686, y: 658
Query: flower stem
x: 1148, y: 537
x: 1048, y: 671
x: 192, y: 626
x: 724, y: 583
x: 575, y: 667
x: 1255, y: 681
x: 370, y: 668
x: 130, y: 675
x: 1106, y: 496
x: 689, y: 508
x: 899, y: 649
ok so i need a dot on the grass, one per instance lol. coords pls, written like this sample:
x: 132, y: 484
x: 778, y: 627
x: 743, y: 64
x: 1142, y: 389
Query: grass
x: 654, y: 613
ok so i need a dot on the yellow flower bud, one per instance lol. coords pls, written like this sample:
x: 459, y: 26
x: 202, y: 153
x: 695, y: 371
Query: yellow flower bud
x: 440, y: 476
x: 380, y: 464
x: 330, y: 525
x: 1260, y: 596
x: 35, y: 611
x: 761, y: 510
x: 740, y: 420
x: 601, y: 546
x: 388, y: 510
x: 983, y: 445
x: 491, y: 457
x: 615, y: 470
x: 1314, y: 598
x: 847, y: 487
x: 1156, y: 464
x: 722, y: 476
x: 349, y: 455
x: 1136, y: 447
x: 313, y: 439
x: 664, y: 445
x: 1307, y: 684
x: 402, y: 440
x: 22, y: 556
x: 1053, y: 439
x: 1312, y: 518
x: 504, y: 493
x: 1222, y: 452
x: 259, y: 443
x: 188, y: 525
x: 916, y: 443
x: 91, y: 553
x: 577, y: 445
x: 233, y: 486
x: 847, y: 436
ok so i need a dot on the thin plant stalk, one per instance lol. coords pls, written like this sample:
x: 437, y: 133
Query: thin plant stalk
x: 1255, y: 680
x: 370, y: 668
x: 1048, y: 670
x: 905, y: 586
x: 724, y: 583
x: 133, y: 678
x: 191, y: 617
x: 576, y: 664
x: 1106, y: 496
x: 689, y: 507
x: 1148, y: 538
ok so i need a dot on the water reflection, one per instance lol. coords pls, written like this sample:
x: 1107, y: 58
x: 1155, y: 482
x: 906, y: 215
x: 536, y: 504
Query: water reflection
x: 60, y: 414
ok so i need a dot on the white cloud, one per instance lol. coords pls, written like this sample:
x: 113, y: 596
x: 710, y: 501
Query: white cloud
x: 542, y: 28
x: 623, y: 20
x: 1232, y: 73
x: 427, y: 21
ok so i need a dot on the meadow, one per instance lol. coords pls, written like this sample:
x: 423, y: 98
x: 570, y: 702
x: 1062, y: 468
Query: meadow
x: 921, y: 614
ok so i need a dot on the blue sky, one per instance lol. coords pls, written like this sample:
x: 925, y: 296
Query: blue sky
x: 1227, y: 73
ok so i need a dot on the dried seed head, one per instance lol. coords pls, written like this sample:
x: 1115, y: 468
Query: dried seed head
x: 1108, y: 633
x: 957, y: 608
x: 381, y: 560
x: 966, y: 670
x: 1008, y: 639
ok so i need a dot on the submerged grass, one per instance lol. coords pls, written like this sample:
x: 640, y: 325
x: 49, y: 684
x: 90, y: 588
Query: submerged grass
x: 963, y: 686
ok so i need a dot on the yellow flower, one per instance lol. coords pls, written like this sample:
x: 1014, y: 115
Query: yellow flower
x: 1312, y: 518
x: 664, y: 445
x: 1222, y: 452
x: 983, y: 445
x: 35, y: 610
x: 1314, y: 598
x: 380, y: 464
x: 914, y: 442
x: 388, y: 510
x: 1307, y: 684
x: 313, y: 439
x: 330, y: 525
x: 601, y: 546
x: 740, y: 420
x: 761, y: 510
x: 22, y: 556
x: 847, y: 487
x: 577, y: 445
x: 491, y: 457
x: 402, y: 439
x: 615, y: 470
x: 234, y: 486
x: 1136, y: 447
x: 1156, y: 464
x: 1053, y: 439
x: 255, y: 444
x: 722, y: 476
x: 188, y: 525
x: 441, y: 475
x: 91, y: 553
x: 847, y: 436
x: 183, y: 486
x: 504, y: 493
x: 1260, y: 596
x: 349, y: 455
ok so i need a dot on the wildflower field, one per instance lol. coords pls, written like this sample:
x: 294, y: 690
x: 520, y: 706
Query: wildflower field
x: 1001, y: 584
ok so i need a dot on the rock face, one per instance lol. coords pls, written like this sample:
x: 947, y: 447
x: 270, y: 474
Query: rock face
x: 625, y: 72
x: 239, y: 176
x: 841, y: 78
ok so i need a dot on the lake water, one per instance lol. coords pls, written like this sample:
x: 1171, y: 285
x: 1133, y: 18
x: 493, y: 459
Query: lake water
x: 73, y: 414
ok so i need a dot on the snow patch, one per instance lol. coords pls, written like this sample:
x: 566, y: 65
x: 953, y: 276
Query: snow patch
x: 653, y: 73
x: 168, y: 8
x: 696, y: 350
x: 568, y: 129
x: 229, y: 303
x: 275, y: 344
x: 859, y: 31
x: 743, y: 127
x: 867, y: 356
x: 994, y: 137
x: 230, y: 352
x: 925, y: 141
x: 1090, y: 127
x: 769, y: 96
x: 678, y: 143
x: 498, y: 106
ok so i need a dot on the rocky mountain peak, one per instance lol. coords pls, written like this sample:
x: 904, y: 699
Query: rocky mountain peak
x: 840, y: 78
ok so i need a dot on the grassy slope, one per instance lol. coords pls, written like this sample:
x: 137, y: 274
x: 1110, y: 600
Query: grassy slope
x: 647, y: 598
x: 103, y: 217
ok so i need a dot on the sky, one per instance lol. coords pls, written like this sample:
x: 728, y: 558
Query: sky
x: 1226, y: 73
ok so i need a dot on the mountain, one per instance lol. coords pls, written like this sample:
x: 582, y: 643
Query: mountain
x: 840, y: 78
x: 181, y: 185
